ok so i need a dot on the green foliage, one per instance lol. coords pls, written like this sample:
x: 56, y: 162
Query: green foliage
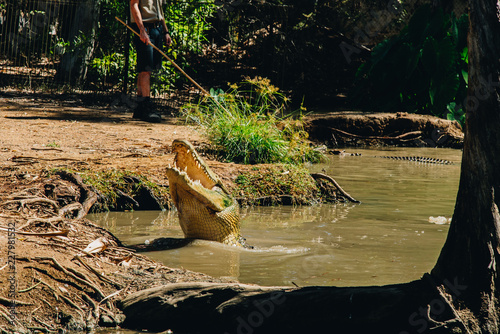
x: 187, y: 23
x: 52, y: 144
x: 247, y: 125
x: 423, y: 69
x: 107, y: 68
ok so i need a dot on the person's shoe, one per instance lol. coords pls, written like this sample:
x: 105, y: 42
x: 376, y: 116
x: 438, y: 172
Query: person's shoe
x: 152, y: 118
x: 145, y: 111
x: 139, y: 108
x: 149, y: 112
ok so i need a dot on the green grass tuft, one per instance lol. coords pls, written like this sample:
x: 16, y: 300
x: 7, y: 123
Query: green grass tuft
x: 247, y: 125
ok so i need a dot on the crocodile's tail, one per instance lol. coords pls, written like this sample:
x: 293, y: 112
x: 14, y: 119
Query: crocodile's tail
x: 418, y: 159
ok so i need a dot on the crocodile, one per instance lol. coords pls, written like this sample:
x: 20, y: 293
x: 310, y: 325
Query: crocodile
x: 392, y: 157
x: 205, y: 207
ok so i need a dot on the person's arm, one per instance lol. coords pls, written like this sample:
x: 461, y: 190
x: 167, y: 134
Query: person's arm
x: 168, y: 39
x: 136, y: 13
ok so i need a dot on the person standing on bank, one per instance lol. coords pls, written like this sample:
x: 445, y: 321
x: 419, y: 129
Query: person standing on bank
x: 149, y: 21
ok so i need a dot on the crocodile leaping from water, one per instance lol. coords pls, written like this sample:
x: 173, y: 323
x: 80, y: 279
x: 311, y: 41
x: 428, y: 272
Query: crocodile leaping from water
x: 206, y: 209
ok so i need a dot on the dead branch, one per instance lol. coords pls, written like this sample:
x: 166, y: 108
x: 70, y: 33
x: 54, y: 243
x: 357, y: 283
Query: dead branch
x: 401, y: 137
x: 332, y: 180
x: 69, y: 302
x: 31, y: 287
x: 89, y: 197
x: 91, y: 302
x: 46, y: 234
x: 445, y: 297
x: 8, y: 302
x: 70, y: 208
x: 42, y: 220
x: 32, y: 201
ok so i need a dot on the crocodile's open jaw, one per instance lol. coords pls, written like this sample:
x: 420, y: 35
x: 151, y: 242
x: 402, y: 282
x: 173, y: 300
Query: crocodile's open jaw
x: 206, y: 209
x: 190, y: 174
x: 187, y: 160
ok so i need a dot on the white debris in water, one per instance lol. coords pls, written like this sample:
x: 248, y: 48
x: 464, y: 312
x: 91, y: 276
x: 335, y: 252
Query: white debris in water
x: 146, y: 242
x: 440, y: 220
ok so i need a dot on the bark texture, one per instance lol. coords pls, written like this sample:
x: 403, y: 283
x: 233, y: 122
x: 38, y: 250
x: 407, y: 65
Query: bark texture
x: 241, y: 308
x: 471, y: 253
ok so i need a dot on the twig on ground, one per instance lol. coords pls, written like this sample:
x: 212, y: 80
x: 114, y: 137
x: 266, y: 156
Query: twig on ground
x: 31, y: 287
x: 46, y: 234
x: 8, y: 302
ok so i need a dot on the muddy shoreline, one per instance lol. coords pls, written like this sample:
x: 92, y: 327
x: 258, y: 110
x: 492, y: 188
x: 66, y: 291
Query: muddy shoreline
x: 74, y: 281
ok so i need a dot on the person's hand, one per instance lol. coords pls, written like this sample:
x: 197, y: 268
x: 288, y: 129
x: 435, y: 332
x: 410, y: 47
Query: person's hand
x: 168, y: 40
x: 144, y: 36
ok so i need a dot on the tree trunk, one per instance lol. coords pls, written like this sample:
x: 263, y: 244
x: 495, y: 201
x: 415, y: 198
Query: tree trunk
x: 471, y: 253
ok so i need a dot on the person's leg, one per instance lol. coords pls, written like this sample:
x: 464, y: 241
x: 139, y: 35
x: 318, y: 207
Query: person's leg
x: 144, y: 84
x: 144, y: 109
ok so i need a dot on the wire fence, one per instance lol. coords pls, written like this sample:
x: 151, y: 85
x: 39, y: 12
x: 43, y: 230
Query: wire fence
x: 30, y: 36
x: 65, y: 43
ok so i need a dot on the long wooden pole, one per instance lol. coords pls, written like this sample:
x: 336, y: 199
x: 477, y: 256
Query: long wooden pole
x: 204, y: 91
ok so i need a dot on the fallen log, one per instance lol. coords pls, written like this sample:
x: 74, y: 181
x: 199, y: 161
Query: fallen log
x: 240, y: 308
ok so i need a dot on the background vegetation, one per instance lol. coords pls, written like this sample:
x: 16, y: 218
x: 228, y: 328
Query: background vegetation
x: 396, y: 55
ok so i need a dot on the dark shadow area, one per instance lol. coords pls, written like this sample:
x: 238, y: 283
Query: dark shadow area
x: 161, y: 244
x: 88, y: 107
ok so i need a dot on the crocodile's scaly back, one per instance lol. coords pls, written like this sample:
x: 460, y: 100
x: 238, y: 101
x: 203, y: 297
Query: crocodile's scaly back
x: 206, y: 209
x: 418, y: 159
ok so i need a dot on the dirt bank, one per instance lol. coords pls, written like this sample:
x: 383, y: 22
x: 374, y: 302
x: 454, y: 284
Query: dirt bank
x: 355, y: 128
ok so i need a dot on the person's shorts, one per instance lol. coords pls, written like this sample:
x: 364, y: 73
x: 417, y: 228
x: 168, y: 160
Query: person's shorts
x: 148, y: 59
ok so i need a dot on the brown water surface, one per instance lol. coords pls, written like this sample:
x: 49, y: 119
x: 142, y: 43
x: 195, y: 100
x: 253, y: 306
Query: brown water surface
x: 390, y: 237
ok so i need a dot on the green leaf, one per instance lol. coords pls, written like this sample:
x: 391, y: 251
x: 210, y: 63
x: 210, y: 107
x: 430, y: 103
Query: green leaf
x: 465, y: 75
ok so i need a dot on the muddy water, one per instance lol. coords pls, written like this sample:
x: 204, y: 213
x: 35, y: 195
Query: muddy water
x: 390, y: 237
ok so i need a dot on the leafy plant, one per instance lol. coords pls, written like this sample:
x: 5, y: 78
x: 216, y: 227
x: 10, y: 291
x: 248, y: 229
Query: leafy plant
x: 247, y: 124
x: 187, y: 21
x: 423, y: 69
x: 52, y: 144
x: 108, y: 67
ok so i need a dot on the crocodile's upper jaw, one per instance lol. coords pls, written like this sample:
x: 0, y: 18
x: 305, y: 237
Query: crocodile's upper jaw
x: 206, y: 210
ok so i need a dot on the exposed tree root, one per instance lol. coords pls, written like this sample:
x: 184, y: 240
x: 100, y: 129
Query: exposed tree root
x: 58, y: 285
x: 317, y: 176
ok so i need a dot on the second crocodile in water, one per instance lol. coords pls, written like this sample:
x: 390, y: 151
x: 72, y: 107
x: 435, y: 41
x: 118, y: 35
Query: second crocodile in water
x: 407, y: 158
